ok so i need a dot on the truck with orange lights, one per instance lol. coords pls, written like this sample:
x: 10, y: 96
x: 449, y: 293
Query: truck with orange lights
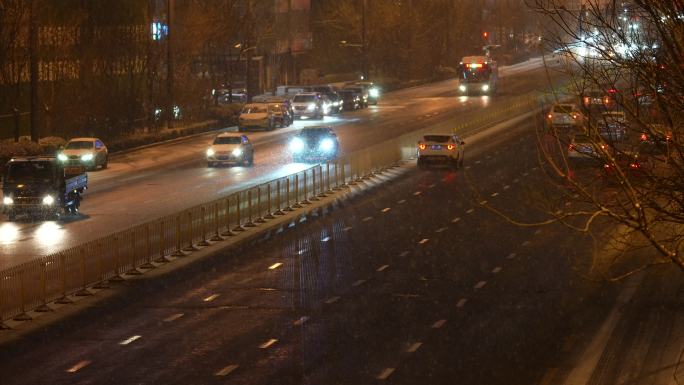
x: 478, y: 75
x: 41, y: 187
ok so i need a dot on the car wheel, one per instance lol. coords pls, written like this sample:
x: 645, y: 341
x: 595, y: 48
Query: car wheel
x: 105, y: 164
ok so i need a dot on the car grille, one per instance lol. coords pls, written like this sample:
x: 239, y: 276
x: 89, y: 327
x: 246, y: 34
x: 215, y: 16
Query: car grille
x: 27, y: 201
x: 73, y: 157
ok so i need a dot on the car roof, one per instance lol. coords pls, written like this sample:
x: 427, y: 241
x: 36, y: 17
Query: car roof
x: 83, y: 139
x: 306, y: 94
x: 317, y: 128
x: 229, y: 135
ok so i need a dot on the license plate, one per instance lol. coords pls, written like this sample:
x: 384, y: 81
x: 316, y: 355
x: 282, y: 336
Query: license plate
x: 74, y: 170
x: 436, y: 147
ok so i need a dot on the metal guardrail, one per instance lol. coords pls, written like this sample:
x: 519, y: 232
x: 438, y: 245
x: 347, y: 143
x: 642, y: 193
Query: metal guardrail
x: 96, y: 264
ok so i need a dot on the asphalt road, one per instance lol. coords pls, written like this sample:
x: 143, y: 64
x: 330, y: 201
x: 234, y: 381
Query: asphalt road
x: 409, y: 282
x: 148, y: 184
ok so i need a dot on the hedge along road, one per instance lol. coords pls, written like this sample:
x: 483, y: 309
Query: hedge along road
x: 147, y: 184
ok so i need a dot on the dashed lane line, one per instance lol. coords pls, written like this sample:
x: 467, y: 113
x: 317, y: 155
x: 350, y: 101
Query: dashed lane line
x: 386, y: 209
x: 276, y: 265
x: 537, y: 232
x: 358, y: 283
x: 414, y: 347
x: 385, y: 374
x: 402, y: 201
x: 506, y: 187
x: 417, y: 193
x: 432, y: 185
x: 497, y: 270
x: 480, y: 285
x: 173, y: 317
x: 470, y: 211
x: 461, y: 302
x: 129, y: 340
x: 347, y: 228
x: 441, y: 229
x: 267, y: 344
x: 423, y: 241
x: 484, y: 202
x: 455, y: 220
x: 381, y: 268
x: 211, y: 298
x: 404, y: 253
x: 78, y: 366
x: 300, y: 321
x: 332, y: 300
x: 494, y: 194
x: 438, y: 324
x: 511, y: 256
x: 526, y: 243
x: 326, y: 239
x: 226, y: 371
x: 366, y: 219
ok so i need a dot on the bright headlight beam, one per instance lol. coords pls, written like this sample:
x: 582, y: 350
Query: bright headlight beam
x: 296, y: 145
x: 7, y: 201
x: 237, y: 152
x: 485, y: 87
x: 62, y: 157
x: 326, y: 145
x: 87, y: 157
x: 462, y: 88
x: 374, y: 92
x: 210, y: 152
x: 48, y: 200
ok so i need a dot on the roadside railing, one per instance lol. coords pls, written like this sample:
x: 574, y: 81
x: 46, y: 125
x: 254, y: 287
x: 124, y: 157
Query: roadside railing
x: 96, y: 264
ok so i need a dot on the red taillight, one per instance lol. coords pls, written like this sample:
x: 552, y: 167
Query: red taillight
x: 612, y: 91
x: 644, y: 137
x: 571, y: 146
x: 450, y: 147
x: 634, y: 165
x: 587, y: 100
x: 422, y: 146
x: 549, y: 116
x: 574, y: 116
x: 606, y: 166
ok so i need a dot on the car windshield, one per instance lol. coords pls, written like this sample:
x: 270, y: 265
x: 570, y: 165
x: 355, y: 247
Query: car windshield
x: 228, y: 140
x: 304, y: 98
x: 254, y: 109
x: 436, y: 138
x: 29, y: 171
x: 310, y: 132
x: 80, y: 145
x: 563, y: 109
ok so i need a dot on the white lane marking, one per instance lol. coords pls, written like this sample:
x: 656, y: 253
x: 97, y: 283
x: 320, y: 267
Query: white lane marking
x: 417, y: 193
x: 438, y: 324
x: 331, y: 300
x: 516, y: 180
x: 467, y: 167
x: 470, y: 211
x: 535, y: 168
x: 442, y: 229
x: 211, y: 298
x: 480, y: 285
x: 432, y: 185
x: 494, y: 194
x: 301, y: 321
x: 414, y: 347
x: 129, y: 340
x: 78, y: 366
x: 423, y: 241
x: 506, y: 187
x: 385, y: 374
x: 567, y: 204
x: 497, y: 270
x: 404, y: 253
x: 511, y: 256
x: 173, y: 317
x: 446, y: 178
x: 226, y: 371
x: 358, y: 283
x: 381, y: 268
x: 402, y: 201
x: 386, y: 209
x: 461, y: 302
x: 347, y: 228
x: 483, y: 202
x: 526, y: 243
x: 326, y: 239
x: 276, y: 265
x: 537, y: 232
x: 455, y: 220
x: 366, y: 219
x: 477, y: 162
x: 268, y: 343
x: 526, y: 173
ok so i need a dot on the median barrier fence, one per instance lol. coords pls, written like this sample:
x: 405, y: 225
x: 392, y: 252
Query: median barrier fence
x: 57, y: 278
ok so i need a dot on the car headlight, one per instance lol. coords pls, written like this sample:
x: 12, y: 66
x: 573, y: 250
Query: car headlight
x: 296, y: 145
x: 211, y: 152
x: 62, y: 157
x: 87, y: 157
x: 462, y: 88
x: 237, y: 152
x: 485, y: 87
x: 326, y: 145
x: 311, y: 107
x: 336, y: 104
x: 7, y: 201
x: 48, y: 200
x: 374, y: 92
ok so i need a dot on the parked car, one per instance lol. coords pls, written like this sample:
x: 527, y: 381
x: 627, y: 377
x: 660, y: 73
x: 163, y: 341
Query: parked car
x: 257, y: 115
x: 308, y: 105
x: 314, y: 144
x: 88, y: 152
x: 229, y: 148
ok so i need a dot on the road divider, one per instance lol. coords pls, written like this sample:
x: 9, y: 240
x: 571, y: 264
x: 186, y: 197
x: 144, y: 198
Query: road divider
x: 57, y: 278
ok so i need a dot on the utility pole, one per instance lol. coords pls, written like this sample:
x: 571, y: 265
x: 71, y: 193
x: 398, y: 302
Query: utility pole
x: 364, y: 47
x: 248, y: 47
x: 170, y: 5
x: 33, y: 70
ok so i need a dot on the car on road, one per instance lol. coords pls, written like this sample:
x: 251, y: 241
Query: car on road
x: 88, y: 152
x: 585, y: 147
x: 332, y: 103
x: 565, y: 115
x: 257, y: 115
x: 613, y: 125
x: 308, y: 105
x: 372, y: 89
x: 318, y: 143
x: 631, y: 164
x: 351, y: 100
x: 362, y: 91
x: 445, y: 149
x: 230, y: 148
x: 657, y: 139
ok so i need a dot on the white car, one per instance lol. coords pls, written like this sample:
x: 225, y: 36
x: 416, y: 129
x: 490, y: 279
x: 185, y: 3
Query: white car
x: 565, y: 115
x: 229, y: 148
x: 87, y: 152
x: 256, y: 115
x: 447, y: 149
x: 308, y: 105
x: 582, y: 148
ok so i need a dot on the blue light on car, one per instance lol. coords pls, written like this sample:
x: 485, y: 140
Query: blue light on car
x: 326, y: 145
x: 296, y: 145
